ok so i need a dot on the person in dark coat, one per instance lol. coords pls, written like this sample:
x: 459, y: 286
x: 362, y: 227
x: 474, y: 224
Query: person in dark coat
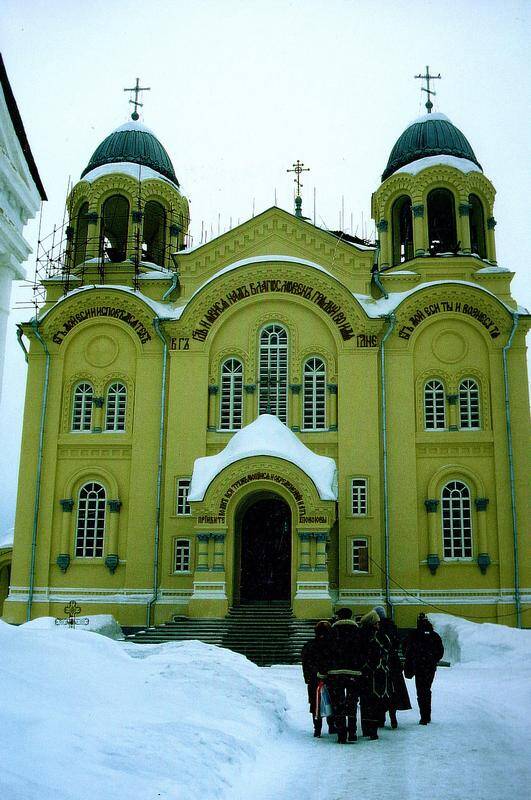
x: 424, y: 650
x: 376, y: 647
x: 315, y: 657
x: 398, y: 695
x: 344, y: 674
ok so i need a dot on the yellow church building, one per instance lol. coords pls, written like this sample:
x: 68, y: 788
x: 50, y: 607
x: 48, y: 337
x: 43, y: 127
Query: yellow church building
x: 283, y: 413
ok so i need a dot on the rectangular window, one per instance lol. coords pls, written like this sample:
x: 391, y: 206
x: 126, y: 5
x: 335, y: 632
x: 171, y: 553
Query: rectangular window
x: 181, y: 559
x: 183, y: 487
x: 359, y: 497
x: 360, y: 555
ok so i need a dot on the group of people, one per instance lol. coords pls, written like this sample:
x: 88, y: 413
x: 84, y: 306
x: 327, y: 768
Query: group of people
x: 358, y: 661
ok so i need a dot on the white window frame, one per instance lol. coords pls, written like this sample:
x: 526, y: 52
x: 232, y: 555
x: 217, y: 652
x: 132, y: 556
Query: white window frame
x: 273, y: 359
x: 314, y: 394
x: 231, y: 395
x: 456, y: 521
x: 356, y: 544
x: 82, y: 407
x: 182, y: 506
x: 359, y: 496
x: 90, y: 520
x: 469, y: 405
x: 116, y: 407
x: 182, y: 552
x: 434, y: 404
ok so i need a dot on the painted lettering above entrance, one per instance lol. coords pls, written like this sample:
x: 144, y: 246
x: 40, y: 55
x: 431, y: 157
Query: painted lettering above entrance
x: 420, y: 314
x: 263, y: 476
x: 334, y: 310
x: 103, y: 311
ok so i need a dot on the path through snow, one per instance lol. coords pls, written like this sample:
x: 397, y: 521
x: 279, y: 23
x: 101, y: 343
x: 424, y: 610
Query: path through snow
x: 476, y: 747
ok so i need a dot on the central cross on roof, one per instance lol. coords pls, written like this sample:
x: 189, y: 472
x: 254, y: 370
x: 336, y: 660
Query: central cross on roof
x: 137, y: 89
x: 427, y: 77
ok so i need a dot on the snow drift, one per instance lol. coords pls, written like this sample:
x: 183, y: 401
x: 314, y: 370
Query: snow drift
x: 466, y: 641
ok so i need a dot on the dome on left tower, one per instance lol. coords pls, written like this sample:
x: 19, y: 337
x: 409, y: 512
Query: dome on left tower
x: 133, y: 143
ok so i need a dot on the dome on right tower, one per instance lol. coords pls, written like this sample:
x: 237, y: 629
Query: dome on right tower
x: 427, y: 136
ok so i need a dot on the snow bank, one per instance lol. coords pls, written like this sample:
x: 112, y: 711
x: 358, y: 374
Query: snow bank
x: 84, y: 716
x: 105, y: 624
x: 466, y: 641
x: 266, y: 436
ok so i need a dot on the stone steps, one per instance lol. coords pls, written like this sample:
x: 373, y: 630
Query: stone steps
x: 266, y: 633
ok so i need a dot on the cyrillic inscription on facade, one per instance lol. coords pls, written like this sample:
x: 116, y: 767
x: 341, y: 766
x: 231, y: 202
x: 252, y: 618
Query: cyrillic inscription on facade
x: 262, y: 476
x: 420, y: 314
x: 103, y: 311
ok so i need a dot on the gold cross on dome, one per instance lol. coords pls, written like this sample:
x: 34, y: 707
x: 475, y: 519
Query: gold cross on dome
x: 297, y: 169
x: 137, y: 89
x: 427, y: 77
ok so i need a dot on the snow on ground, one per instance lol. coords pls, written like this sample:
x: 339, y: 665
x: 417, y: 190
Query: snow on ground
x: 84, y: 717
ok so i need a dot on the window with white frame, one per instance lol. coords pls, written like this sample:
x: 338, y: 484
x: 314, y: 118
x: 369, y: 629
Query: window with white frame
x: 469, y: 404
x: 273, y: 372
x: 359, y: 495
x: 181, y: 555
x: 183, y: 487
x: 434, y: 406
x: 231, y: 400
x: 314, y: 395
x: 456, y: 520
x: 359, y: 551
x: 90, y: 525
x: 115, y: 407
x: 82, y: 407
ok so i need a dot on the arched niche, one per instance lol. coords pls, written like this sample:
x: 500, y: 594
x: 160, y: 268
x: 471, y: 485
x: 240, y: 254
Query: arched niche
x: 114, y: 227
x: 478, y: 243
x: 402, y: 230
x: 442, y: 233
x: 154, y: 233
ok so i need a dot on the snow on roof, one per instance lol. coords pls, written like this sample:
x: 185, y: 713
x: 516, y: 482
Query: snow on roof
x: 462, y: 164
x: 131, y: 125
x: 491, y: 270
x: 6, y: 538
x: 162, y: 310
x: 266, y: 436
x: 136, y: 171
x: 385, y: 305
x: 429, y: 117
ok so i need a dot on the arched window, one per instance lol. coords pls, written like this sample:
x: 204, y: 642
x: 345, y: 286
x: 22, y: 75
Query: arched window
x: 273, y: 376
x: 80, y: 248
x: 90, y: 527
x: 441, y: 221
x: 154, y: 233
x: 114, y: 227
x: 477, y: 226
x: 231, y: 401
x: 82, y: 407
x: 314, y: 395
x: 456, y: 520
x: 469, y: 404
x: 434, y: 406
x: 402, y: 222
x: 115, y: 407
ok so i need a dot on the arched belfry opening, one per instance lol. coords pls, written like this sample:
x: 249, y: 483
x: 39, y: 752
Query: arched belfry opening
x: 114, y: 228
x: 263, y: 549
x: 441, y: 221
x: 402, y: 222
x: 154, y: 233
x: 478, y: 243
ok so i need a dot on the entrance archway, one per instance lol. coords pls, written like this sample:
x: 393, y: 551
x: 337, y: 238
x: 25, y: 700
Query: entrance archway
x: 265, y: 550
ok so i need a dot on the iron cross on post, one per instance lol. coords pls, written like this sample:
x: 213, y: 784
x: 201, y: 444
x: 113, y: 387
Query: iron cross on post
x: 72, y: 610
x: 297, y: 169
x: 427, y: 77
x: 137, y: 89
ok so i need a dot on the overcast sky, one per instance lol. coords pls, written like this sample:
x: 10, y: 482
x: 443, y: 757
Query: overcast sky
x: 240, y: 90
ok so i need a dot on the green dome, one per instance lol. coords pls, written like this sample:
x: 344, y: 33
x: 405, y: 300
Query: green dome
x: 429, y: 135
x: 135, y: 144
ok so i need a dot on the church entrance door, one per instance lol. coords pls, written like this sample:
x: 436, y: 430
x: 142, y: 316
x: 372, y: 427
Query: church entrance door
x: 265, y: 560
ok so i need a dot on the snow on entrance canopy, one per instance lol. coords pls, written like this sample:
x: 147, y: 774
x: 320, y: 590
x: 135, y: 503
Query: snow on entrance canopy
x: 266, y: 436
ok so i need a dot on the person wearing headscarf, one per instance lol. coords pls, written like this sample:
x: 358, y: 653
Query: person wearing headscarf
x: 424, y: 650
x: 344, y: 674
x: 315, y: 657
x: 398, y: 695
x: 376, y: 683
